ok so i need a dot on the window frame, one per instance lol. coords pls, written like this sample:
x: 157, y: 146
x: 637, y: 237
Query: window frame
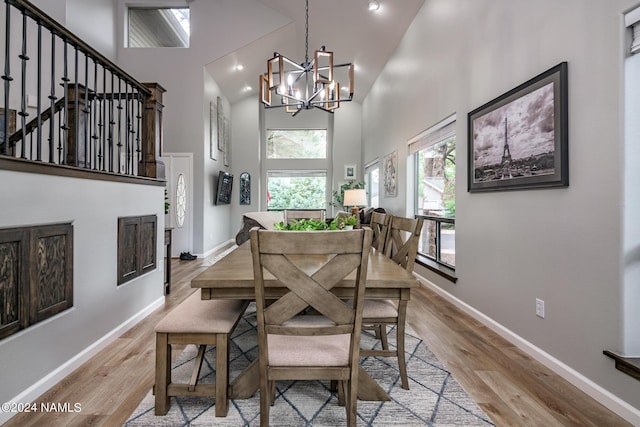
x: 436, y: 134
x: 310, y: 122
x: 185, y: 41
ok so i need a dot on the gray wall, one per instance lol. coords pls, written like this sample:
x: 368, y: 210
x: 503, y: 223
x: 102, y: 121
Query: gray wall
x: 561, y: 245
x: 101, y: 311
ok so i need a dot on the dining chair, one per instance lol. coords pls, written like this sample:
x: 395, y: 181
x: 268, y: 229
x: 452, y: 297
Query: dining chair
x: 200, y: 322
x: 380, y: 226
x: 291, y: 215
x: 401, y: 246
x: 293, y: 345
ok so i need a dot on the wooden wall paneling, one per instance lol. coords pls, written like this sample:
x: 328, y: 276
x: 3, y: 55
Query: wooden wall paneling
x: 14, y: 253
x: 137, y: 246
x: 128, y: 248
x: 148, y: 231
x: 50, y: 270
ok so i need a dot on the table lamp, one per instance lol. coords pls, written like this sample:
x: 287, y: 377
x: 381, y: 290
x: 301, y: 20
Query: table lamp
x: 355, y: 198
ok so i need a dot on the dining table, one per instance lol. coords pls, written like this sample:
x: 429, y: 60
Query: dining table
x: 231, y: 277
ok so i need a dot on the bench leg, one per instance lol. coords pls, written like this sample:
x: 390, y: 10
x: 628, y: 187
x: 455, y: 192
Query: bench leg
x: 197, y: 367
x: 163, y: 373
x: 222, y: 375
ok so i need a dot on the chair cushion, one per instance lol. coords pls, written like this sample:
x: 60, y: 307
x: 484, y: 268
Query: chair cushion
x: 323, y: 350
x: 198, y: 316
x: 379, y: 308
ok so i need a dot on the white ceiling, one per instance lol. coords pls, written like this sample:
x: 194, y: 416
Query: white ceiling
x: 345, y: 27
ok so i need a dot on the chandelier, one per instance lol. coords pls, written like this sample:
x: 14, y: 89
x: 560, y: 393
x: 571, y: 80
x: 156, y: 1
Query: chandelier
x: 298, y: 87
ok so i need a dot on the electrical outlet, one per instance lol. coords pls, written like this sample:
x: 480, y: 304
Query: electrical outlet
x: 539, y: 308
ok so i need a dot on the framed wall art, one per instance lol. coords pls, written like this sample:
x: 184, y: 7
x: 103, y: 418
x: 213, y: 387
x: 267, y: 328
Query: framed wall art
x: 245, y: 188
x: 220, y: 124
x: 350, y: 172
x: 213, y: 131
x: 520, y: 139
x: 389, y: 174
x: 226, y: 136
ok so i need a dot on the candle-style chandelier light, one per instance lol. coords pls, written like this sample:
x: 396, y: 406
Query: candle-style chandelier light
x: 298, y: 87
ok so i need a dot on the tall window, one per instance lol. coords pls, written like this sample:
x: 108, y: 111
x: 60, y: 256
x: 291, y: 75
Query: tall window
x: 297, y: 144
x: 372, y: 183
x: 297, y: 189
x: 158, y: 27
x: 296, y: 161
x: 434, y: 154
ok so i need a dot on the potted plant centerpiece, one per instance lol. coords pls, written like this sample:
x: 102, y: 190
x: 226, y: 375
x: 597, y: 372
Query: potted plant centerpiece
x: 350, y: 222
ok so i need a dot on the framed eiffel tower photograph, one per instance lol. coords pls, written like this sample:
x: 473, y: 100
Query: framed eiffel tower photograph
x: 520, y: 139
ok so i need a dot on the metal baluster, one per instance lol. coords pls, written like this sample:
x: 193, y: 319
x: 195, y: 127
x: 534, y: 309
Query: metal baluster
x: 102, y: 119
x: 142, y: 169
x: 95, y: 113
x: 52, y: 99
x: 86, y: 112
x: 129, y: 151
x: 23, y: 106
x: 39, y: 96
x: 119, y: 123
x: 65, y: 83
x: 111, y: 123
x: 7, y: 78
x: 76, y: 106
x: 139, y: 121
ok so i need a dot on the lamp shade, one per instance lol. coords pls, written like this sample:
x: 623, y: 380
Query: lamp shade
x: 356, y: 197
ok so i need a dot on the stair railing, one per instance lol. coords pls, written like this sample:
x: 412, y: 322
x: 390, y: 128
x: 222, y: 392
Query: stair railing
x: 73, y: 106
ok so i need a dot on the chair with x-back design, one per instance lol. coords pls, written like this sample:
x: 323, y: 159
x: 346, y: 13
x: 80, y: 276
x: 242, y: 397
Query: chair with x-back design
x: 295, y: 345
x: 401, y: 246
x: 380, y: 227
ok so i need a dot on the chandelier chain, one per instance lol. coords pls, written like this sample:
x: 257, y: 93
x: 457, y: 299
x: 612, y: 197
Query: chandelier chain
x: 306, y: 32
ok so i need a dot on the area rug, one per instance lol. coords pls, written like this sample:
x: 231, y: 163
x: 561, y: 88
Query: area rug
x: 435, y: 398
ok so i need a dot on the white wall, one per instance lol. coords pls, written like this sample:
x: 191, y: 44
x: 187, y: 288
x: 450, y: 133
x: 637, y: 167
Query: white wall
x: 561, y: 245
x: 100, y: 306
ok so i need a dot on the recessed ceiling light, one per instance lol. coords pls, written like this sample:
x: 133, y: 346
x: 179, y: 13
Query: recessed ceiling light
x: 247, y: 88
x: 374, y: 5
x: 239, y: 67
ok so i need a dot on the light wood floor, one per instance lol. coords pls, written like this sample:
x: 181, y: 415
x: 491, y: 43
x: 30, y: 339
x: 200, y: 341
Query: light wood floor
x: 512, y: 388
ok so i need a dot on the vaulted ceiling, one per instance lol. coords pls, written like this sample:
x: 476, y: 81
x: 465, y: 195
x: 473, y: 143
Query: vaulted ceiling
x: 347, y: 28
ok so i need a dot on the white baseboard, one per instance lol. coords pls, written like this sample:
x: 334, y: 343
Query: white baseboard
x: 597, y: 392
x: 54, y: 377
x: 217, y: 248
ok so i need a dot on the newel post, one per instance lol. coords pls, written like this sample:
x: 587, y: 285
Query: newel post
x: 152, y: 165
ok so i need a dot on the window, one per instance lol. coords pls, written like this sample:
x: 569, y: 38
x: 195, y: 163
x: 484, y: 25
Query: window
x: 372, y: 183
x: 297, y: 144
x: 297, y: 166
x: 434, y: 154
x: 296, y: 190
x: 158, y: 27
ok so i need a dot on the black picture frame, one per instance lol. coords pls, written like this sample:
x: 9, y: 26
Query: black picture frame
x: 225, y: 185
x: 520, y: 140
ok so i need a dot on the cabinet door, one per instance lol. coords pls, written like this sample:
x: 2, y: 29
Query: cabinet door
x: 51, y: 271
x: 14, y: 277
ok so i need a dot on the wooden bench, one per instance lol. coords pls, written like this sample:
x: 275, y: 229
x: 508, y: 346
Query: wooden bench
x: 200, y: 322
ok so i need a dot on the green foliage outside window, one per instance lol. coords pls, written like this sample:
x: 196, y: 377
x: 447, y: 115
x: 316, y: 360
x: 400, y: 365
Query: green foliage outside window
x: 297, y: 193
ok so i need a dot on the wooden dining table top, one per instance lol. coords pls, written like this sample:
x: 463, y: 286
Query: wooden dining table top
x: 232, y: 276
